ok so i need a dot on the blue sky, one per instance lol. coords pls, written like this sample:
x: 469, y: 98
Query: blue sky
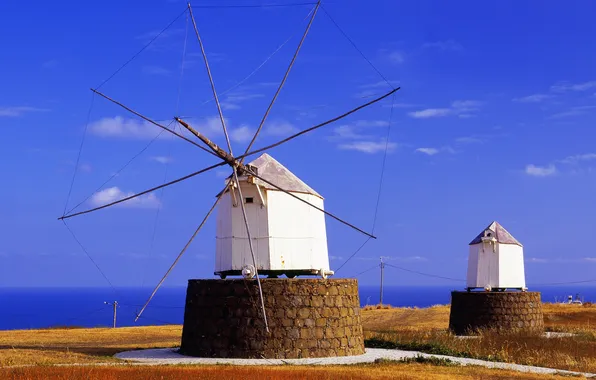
x: 494, y: 121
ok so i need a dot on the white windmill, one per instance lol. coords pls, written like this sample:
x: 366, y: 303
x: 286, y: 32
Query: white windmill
x: 496, y: 261
x: 255, y: 231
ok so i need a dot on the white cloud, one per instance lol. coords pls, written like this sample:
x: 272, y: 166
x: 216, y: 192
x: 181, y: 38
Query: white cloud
x: 113, y: 194
x: 461, y: 108
x: 347, y: 131
x: 370, y: 147
x: 537, y: 260
x: 233, y: 100
x: 433, y: 151
x: 119, y: 127
x: 334, y: 258
x: 19, y: 110
x: 429, y: 151
x: 280, y: 128
x: 229, y: 106
x: 579, y: 157
x: 430, y: 112
x: 162, y: 159
x: 574, y: 111
x: 241, y: 134
x: 541, y: 171
x: 354, y: 130
x: 469, y: 140
x: 590, y: 259
x: 396, y: 57
x: 536, y: 98
x: 448, y: 45
x: 566, y: 86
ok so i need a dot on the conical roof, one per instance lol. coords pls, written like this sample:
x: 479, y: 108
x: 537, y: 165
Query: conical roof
x: 497, y: 231
x: 274, y: 172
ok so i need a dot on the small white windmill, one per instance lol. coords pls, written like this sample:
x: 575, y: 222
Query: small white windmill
x: 496, y: 261
x: 255, y: 199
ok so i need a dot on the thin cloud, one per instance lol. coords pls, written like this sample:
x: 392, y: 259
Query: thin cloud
x: 431, y: 112
x: 241, y: 134
x: 575, y: 159
x: 162, y: 159
x: 156, y: 70
x: 280, y: 128
x: 536, y: 98
x: 470, y: 140
x: 537, y: 260
x: 233, y: 100
x: 428, y: 151
x: 119, y: 127
x: 395, y: 57
x: 574, y: 111
x: 113, y: 194
x: 16, y: 111
x: 460, y: 108
x: 567, y: 87
x: 541, y: 171
x: 370, y: 147
x: 434, y: 151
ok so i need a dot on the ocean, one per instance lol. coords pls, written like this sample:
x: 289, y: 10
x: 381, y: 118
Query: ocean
x: 30, y: 308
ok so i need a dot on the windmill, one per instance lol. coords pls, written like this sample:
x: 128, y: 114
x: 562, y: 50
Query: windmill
x: 236, y: 162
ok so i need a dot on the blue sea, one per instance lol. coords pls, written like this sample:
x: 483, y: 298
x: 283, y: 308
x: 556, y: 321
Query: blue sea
x: 29, y: 308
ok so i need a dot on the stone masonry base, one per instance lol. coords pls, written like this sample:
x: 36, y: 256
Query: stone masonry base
x: 503, y: 311
x: 308, y: 318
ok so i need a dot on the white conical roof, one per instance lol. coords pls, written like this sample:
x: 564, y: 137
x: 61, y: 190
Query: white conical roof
x: 274, y: 172
x: 498, y: 232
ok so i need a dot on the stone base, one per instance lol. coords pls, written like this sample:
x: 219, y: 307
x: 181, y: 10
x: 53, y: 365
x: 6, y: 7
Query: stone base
x: 502, y: 311
x: 308, y: 318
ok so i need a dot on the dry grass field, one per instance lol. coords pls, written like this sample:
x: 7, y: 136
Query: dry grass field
x: 425, y: 330
x: 410, y: 328
x: 409, y: 371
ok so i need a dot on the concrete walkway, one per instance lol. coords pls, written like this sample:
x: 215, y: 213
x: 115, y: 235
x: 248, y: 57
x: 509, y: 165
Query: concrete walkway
x: 169, y: 356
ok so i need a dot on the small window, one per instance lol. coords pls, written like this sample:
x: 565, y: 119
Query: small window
x: 249, y: 200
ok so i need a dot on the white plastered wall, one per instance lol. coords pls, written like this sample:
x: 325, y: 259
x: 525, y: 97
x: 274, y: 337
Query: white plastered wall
x: 298, y: 238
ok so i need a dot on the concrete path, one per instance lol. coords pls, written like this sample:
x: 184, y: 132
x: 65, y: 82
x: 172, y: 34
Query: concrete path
x: 169, y: 356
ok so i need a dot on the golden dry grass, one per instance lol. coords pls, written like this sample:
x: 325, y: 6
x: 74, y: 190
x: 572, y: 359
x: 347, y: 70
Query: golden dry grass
x: 52, y: 346
x: 426, y: 329
x: 404, y: 325
x: 369, y: 371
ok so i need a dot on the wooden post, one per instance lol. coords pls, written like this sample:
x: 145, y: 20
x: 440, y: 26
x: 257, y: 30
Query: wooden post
x: 381, y: 290
x: 115, y: 306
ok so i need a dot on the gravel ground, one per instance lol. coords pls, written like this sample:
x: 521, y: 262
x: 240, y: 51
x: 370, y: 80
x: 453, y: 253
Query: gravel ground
x: 169, y: 356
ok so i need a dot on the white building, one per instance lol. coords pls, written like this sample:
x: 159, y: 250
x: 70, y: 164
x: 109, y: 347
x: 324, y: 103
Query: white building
x: 288, y: 236
x: 496, y: 260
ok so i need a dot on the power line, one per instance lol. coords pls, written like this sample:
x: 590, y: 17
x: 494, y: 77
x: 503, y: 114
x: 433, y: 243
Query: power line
x: 271, y: 5
x: 356, y: 47
x: 89, y: 256
x: 423, y: 274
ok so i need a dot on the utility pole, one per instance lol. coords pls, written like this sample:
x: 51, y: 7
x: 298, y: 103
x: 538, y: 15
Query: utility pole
x: 115, y: 305
x: 381, y: 291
